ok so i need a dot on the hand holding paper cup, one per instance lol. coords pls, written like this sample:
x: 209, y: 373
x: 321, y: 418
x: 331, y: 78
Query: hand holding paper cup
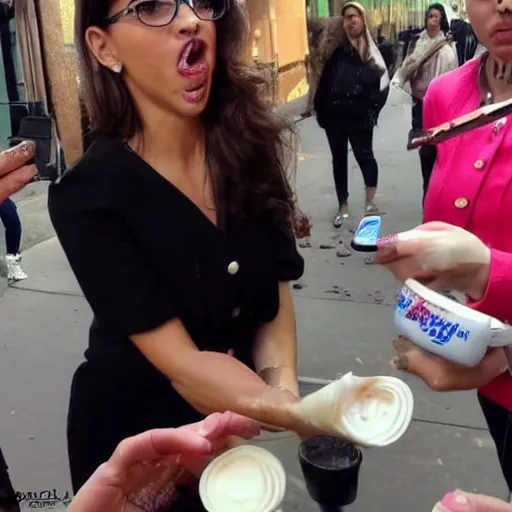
x: 369, y: 411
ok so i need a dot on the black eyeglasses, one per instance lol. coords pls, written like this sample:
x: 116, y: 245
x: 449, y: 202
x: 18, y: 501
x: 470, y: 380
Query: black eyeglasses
x: 159, y: 13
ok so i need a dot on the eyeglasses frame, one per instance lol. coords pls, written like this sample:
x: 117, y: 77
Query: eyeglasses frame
x: 132, y: 9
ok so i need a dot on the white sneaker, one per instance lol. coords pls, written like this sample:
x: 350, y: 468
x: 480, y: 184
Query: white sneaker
x: 14, y: 270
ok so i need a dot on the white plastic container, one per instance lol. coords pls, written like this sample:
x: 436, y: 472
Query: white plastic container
x: 445, y: 327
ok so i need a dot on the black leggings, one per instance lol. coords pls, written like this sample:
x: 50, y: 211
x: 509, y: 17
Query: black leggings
x: 428, y: 154
x: 361, y: 140
x: 12, y: 224
x: 499, y: 421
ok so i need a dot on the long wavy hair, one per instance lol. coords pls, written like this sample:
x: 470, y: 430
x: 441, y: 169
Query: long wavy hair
x: 247, y: 141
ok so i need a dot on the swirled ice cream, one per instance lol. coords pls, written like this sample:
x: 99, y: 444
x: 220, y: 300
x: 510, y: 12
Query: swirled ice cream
x: 369, y: 411
x: 244, y: 479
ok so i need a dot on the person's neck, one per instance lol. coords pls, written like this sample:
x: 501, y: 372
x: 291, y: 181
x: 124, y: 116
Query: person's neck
x: 433, y: 33
x: 169, y: 138
x: 499, y: 78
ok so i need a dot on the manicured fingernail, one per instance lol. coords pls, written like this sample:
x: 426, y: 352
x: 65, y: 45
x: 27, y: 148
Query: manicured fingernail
x: 387, y: 241
x: 455, y: 502
x: 28, y: 143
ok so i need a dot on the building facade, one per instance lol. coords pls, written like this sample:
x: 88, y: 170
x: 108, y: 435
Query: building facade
x: 279, y: 44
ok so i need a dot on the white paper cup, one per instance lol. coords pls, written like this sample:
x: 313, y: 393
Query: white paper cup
x: 244, y: 479
x: 369, y: 411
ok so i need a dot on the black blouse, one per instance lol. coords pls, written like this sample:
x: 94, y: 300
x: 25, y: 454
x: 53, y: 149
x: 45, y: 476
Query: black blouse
x: 143, y: 253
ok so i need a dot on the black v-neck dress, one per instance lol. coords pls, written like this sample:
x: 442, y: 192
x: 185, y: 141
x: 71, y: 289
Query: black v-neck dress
x: 143, y: 253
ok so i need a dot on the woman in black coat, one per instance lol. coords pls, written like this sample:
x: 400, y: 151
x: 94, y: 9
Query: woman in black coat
x: 351, y: 93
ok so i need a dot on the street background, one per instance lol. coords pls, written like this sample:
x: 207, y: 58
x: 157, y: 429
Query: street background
x: 345, y: 320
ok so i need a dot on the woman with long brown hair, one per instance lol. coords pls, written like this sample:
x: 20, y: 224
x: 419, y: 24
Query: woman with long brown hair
x: 351, y: 93
x: 177, y: 224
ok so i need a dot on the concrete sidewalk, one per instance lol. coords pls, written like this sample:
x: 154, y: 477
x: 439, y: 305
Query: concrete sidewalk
x: 344, y: 312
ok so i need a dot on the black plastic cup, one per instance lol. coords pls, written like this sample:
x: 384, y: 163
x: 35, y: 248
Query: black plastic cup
x: 331, y: 470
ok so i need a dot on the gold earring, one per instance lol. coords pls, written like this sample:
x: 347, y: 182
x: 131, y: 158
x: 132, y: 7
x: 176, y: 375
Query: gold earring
x: 117, y: 68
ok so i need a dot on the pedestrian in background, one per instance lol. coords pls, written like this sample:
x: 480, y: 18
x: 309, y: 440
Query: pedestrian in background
x: 432, y: 56
x: 12, y: 225
x: 351, y: 93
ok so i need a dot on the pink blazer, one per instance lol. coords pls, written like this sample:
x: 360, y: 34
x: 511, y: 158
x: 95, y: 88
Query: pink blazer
x: 471, y: 187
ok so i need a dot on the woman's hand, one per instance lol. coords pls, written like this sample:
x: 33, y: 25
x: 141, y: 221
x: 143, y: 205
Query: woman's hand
x: 282, y: 401
x: 442, y: 375
x: 459, y: 501
x: 277, y: 401
x: 443, y: 256
x: 146, y: 471
x: 14, y: 173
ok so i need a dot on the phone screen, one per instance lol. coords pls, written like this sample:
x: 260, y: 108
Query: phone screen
x: 367, y: 234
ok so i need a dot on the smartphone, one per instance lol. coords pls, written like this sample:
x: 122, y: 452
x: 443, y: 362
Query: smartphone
x: 367, y: 234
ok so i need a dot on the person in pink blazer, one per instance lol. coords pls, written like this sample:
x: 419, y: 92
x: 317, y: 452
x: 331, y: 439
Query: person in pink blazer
x: 471, y: 185
x: 447, y: 257
x: 471, y: 188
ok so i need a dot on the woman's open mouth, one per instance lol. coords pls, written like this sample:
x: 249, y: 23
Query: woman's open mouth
x: 192, y: 61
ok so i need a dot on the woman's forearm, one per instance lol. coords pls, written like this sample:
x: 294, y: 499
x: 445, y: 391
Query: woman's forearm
x: 212, y: 381
x: 275, y: 348
x: 218, y: 383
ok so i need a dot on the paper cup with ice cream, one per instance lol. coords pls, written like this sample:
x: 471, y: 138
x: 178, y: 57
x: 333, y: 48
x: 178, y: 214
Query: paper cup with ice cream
x: 444, y: 327
x: 244, y: 479
x: 369, y: 411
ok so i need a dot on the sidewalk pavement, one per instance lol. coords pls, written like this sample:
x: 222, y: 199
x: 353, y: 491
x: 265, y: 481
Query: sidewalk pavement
x: 344, y: 314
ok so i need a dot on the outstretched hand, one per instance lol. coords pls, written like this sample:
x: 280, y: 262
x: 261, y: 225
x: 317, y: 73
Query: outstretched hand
x: 147, y: 472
